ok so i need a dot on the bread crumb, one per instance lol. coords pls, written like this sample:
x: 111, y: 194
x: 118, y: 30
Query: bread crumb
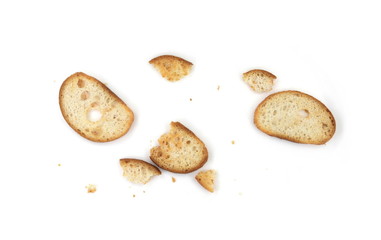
x: 91, y: 188
x: 173, y: 179
x: 59, y: 164
x: 190, y: 99
x: 218, y: 88
x: 133, y: 195
x: 233, y: 142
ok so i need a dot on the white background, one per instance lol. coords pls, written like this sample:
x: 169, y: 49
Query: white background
x: 266, y: 188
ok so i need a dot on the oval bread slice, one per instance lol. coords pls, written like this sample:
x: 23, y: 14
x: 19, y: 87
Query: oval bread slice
x: 171, y: 67
x: 180, y: 150
x: 138, y: 171
x: 295, y: 116
x: 81, y: 96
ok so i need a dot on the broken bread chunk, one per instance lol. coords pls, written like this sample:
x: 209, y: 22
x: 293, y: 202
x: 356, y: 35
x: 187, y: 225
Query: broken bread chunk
x: 259, y: 80
x: 179, y: 151
x: 171, y: 67
x: 93, y: 110
x: 207, y: 179
x: 295, y: 116
x: 138, y: 171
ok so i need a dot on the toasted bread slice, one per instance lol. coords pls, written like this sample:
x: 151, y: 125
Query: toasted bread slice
x: 180, y: 150
x: 138, y: 171
x: 207, y: 179
x: 295, y: 116
x: 81, y: 96
x: 172, y: 68
x: 259, y: 80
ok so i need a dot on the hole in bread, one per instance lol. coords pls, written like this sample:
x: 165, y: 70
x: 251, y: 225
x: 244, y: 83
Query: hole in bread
x: 80, y: 83
x: 85, y: 95
x: 303, y: 113
x: 94, y: 115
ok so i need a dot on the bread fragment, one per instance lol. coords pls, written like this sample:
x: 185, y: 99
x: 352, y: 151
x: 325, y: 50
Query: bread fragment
x: 206, y: 179
x: 82, y: 95
x: 259, y: 80
x: 179, y: 150
x: 171, y: 67
x: 138, y: 171
x: 295, y: 116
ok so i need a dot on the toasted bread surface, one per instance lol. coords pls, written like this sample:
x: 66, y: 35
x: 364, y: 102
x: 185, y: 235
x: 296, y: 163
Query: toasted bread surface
x: 295, y: 116
x: 81, y: 96
x: 259, y: 80
x: 171, y: 67
x: 138, y: 171
x: 179, y: 150
x: 207, y: 179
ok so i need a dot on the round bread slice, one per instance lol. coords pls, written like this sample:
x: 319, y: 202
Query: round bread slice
x: 295, y: 116
x: 259, y: 80
x: 138, y: 171
x: 179, y: 151
x: 93, y: 110
x: 171, y: 67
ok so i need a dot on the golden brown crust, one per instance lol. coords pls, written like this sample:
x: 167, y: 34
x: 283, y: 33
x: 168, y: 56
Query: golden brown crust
x: 156, y: 59
x: 256, y: 118
x: 152, y: 168
x: 171, y: 67
x: 266, y: 73
x: 104, y: 88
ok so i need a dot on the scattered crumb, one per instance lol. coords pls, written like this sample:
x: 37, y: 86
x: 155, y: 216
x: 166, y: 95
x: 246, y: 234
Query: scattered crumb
x: 59, y: 164
x: 233, y: 142
x: 133, y: 195
x: 190, y: 99
x: 173, y: 179
x: 91, y: 188
x: 144, y: 191
x: 218, y: 88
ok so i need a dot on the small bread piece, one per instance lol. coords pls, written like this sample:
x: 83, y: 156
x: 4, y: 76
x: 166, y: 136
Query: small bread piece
x: 138, y: 171
x: 180, y: 150
x: 295, y: 116
x: 172, y: 68
x: 81, y: 96
x: 206, y: 179
x: 259, y: 80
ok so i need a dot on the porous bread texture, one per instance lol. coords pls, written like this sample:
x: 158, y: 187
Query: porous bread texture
x: 171, y: 67
x: 80, y: 95
x: 259, y: 80
x: 138, y: 171
x: 206, y: 179
x: 295, y: 116
x: 179, y: 150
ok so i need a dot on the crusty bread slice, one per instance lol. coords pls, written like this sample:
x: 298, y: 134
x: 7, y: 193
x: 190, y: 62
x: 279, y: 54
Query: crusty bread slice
x: 259, y: 80
x: 207, y: 179
x: 295, y: 116
x: 171, y: 67
x: 138, y: 171
x: 180, y: 150
x: 82, y: 95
